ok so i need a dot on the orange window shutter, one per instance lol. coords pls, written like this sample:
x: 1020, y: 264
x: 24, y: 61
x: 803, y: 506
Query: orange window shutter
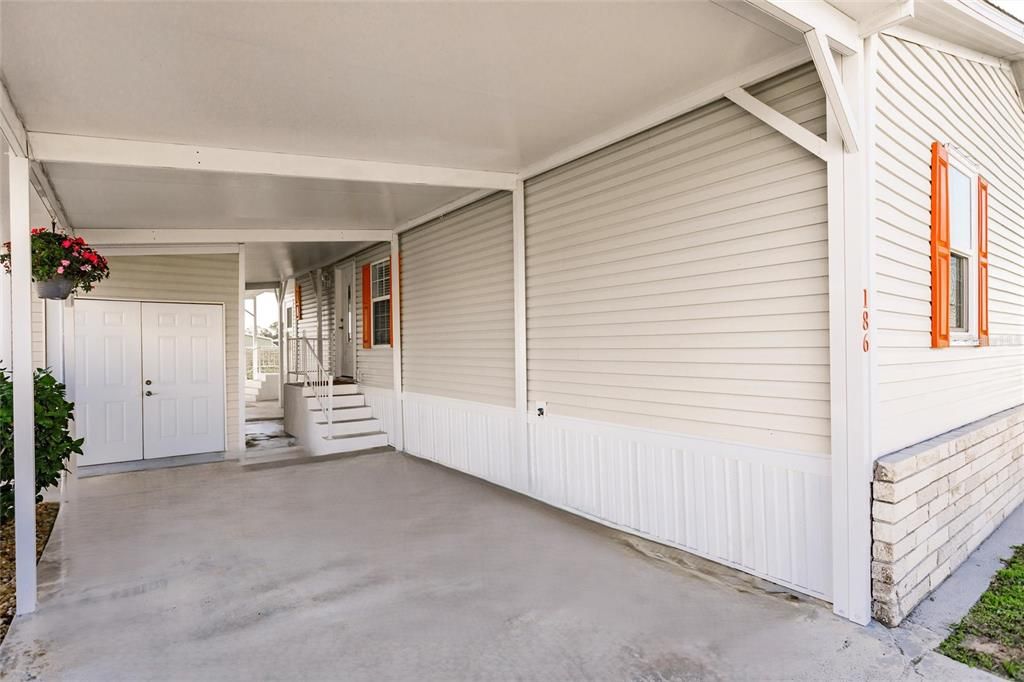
x: 940, y: 246
x: 367, y: 309
x: 298, y: 302
x: 982, y: 262
x: 391, y: 279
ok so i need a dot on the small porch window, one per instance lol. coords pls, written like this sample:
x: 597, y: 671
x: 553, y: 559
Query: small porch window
x: 380, y: 289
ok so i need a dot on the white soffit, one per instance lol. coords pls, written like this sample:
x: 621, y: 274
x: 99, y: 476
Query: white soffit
x: 487, y: 86
x: 118, y: 197
x: 271, y: 262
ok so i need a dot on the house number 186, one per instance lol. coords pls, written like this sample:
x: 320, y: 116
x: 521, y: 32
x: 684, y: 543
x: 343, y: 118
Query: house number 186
x: 865, y: 318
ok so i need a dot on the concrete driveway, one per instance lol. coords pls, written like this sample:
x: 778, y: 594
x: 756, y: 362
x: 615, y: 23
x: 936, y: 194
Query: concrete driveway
x: 384, y: 567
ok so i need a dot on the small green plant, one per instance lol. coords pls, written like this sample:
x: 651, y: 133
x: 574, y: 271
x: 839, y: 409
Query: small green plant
x: 54, y: 444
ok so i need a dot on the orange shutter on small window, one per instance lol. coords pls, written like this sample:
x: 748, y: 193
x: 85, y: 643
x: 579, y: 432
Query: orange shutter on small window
x: 298, y: 302
x: 391, y: 287
x: 940, y: 246
x: 982, y: 262
x: 367, y: 309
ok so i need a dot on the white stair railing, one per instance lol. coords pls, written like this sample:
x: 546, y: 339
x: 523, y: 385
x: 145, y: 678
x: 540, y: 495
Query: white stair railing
x: 315, y: 376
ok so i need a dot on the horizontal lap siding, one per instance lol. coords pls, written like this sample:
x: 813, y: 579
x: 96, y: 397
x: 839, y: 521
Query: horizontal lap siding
x: 207, y: 278
x: 307, y: 325
x: 457, y: 323
x: 678, y: 280
x: 373, y: 365
x: 926, y: 95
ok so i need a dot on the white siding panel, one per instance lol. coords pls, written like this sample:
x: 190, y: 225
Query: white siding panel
x: 457, y: 325
x: 38, y: 332
x: 677, y: 281
x: 211, y: 278
x: 926, y: 95
x: 373, y: 365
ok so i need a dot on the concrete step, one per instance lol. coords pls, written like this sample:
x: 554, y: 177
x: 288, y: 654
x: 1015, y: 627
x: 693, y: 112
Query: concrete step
x: 336, y: 389
x: 338, y: 401
x: 276, y: 456
x: 350, y: 443
x: 345, y: 428
x: 342, y: 414
x: 253, y: 383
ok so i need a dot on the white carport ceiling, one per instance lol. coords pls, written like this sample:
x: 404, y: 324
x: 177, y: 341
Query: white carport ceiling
x: 272, y: 262
x: 479, y: 86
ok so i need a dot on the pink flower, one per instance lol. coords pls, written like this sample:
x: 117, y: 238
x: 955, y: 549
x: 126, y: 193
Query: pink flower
x: 66, y: 243
x: 87, y: 268
x: 65, y: 262
x: 60, y: 270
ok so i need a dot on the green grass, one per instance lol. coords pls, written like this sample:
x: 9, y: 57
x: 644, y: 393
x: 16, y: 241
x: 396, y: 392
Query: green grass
x: 991, y: 635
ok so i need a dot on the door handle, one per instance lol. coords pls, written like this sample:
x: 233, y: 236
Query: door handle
x: 149, y: 392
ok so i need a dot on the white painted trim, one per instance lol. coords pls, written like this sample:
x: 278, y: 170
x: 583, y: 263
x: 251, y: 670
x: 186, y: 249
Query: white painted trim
x: 282, y: 337
x: 396, y: 336
x: 169, y: 250
x: 53, y: 329
x: 21, y: 371
x: 886, y: 18
x: 954, y: 49
x: 11, y: 126
x: 521, y: 434
x: 196, y: 236
x: 455, y: 205
x: 835, y: 92
x: 48, y: 195
x: 754, y: 74
x: 780, y: 122
x: 1017, y: 69
x: 241, y: 353
x: 138, y: 154
x: 815, y: 15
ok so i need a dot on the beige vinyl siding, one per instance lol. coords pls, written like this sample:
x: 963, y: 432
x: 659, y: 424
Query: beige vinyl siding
x: 926, y: 95
x: 38, y: 332
x: 207, y: 278
x: 457, y: 323
x: 373, y: 365
x: 307, y: 325
x: 677, y: 280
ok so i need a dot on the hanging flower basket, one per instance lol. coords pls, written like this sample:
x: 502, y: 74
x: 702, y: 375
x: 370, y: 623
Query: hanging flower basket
x: 61, y: 263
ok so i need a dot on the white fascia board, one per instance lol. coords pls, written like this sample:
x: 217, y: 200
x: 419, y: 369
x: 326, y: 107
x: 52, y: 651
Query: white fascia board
x: 780, y: 122
x: 887, y: 18
x: 53, y: 147
x: 754, y: 74
x: 815, y: 15
x: 195, y: 236
x: 168, y: 249
x: 832, y: 82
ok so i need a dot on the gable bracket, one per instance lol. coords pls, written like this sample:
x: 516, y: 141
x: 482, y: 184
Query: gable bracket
x: 832, y: 82
x: 780, y: 122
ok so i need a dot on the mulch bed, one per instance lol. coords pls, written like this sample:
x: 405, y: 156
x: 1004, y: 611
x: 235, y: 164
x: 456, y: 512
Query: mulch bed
x: 991, y: 635
x: 46, y: 514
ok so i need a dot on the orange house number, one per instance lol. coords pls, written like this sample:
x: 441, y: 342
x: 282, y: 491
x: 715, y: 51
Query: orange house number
x: 865, y: 318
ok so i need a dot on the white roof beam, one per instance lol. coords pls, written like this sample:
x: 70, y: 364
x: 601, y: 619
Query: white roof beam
x: 832, y: 82
x: 53, y: 147
x: 815, y: 15
x: 780, y: 122
x: 887, y: 18
x: 183, y: 235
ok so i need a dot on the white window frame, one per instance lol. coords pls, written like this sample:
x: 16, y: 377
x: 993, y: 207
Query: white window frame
x: 963, y: 163
x: 375, y: 299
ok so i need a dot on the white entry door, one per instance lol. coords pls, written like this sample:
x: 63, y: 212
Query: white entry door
x: 108, y: 380
x: 183, y: 378
x: 344, y: 319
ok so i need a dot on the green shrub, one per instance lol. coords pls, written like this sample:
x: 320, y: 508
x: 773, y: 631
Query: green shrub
x: 54, y: 444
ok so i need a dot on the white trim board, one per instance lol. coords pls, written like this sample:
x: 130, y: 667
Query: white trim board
x: 194, y: 236
x: 138, y: 154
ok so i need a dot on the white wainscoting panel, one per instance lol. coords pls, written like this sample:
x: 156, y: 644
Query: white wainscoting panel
x: 382, y: 402
x: 766, y: 512
x: 469, y: 436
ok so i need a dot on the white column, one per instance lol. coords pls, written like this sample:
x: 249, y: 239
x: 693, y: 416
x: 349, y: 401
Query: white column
x: 520, y: 440
x: 851, y: 300
x: 396, y: 337
x: 240, y: 443
x: 281, y: 336
x: 5, y: 236
x: 24, y: 403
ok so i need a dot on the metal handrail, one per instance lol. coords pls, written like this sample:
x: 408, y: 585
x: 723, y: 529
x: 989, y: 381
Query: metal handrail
x: 315, y: 376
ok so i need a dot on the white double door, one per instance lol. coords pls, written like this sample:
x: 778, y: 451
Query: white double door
x: 148, y: 379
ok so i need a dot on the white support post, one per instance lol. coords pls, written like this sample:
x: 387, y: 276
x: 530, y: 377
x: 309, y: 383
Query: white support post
x: 396, y: 340
x: 240, y: 443
x: 780, y: 122
x: 318, y: 283
x: 851, y: 297
x: 5, y: 236
x: 521, y: 436
x: 24, y: 402
x: 281, y: 336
